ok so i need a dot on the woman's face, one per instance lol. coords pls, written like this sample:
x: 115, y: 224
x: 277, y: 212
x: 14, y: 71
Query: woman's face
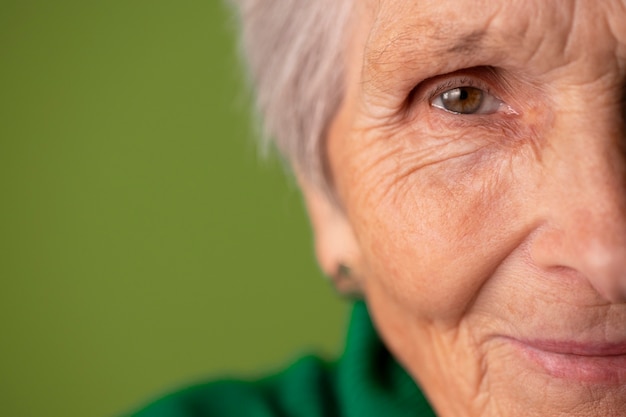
x: 480, y: 160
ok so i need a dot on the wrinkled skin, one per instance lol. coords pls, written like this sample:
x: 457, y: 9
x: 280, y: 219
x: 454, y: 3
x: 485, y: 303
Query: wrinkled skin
x: 490, y: 247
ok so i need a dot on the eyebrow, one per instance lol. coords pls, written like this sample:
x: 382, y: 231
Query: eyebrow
x: 467, y: 43
x: 440, y: 42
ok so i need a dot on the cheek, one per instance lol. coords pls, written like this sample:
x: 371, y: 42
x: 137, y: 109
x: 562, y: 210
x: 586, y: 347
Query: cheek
x: 435, y: 222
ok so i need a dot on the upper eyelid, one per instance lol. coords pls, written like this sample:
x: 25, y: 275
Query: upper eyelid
x: 485, y: 77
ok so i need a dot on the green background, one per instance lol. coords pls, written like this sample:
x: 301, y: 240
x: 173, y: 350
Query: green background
x: 144, y: 244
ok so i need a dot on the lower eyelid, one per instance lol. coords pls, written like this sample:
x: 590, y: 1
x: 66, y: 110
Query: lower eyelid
x: 481, y: 127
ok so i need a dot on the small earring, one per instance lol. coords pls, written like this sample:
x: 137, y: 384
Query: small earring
x: 345, y: 283
x: 343, y: 270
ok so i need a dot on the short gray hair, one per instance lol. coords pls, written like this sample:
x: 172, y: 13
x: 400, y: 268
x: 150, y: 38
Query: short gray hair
x: 295, y: 55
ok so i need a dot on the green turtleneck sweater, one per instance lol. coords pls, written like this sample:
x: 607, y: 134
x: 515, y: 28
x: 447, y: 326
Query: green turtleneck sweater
x: 366, y: 381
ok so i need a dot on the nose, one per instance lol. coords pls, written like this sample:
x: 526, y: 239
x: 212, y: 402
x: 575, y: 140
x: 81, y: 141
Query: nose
x: 583, y: 195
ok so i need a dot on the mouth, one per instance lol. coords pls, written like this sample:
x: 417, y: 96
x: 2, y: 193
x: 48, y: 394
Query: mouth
x: 598, y: 363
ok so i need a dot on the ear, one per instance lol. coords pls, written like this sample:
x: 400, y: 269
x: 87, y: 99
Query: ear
x: 336, y: 247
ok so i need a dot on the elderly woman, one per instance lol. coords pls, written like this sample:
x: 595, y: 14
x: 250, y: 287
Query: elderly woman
x: 464, y: 168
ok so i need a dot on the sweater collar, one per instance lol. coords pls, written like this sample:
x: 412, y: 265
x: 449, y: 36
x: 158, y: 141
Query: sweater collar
x: 370, y: 381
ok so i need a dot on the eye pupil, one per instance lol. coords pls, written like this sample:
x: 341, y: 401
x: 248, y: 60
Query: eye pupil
x: 463, y: 100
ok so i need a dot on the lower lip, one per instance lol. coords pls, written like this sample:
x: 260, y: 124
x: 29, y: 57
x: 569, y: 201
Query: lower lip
x: 583, y: 363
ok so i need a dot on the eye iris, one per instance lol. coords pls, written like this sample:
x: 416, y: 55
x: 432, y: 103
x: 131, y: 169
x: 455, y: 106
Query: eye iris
x: 465, y: 100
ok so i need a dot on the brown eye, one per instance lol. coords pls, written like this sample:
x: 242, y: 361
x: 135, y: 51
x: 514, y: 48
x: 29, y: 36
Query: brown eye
x: 467, y: 100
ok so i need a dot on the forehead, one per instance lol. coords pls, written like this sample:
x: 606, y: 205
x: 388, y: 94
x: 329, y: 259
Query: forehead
x: 414, y: 34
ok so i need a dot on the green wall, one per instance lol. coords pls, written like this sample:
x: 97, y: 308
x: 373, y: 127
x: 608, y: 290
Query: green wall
x: 144, y: 244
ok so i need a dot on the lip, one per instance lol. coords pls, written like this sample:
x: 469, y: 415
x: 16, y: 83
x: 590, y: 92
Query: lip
x: 599, y: 363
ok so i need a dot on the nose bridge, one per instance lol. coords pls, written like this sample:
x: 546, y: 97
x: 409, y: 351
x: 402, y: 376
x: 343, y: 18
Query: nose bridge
x: 584, y: 195
x: 589, y: 199
x: 590, y: 177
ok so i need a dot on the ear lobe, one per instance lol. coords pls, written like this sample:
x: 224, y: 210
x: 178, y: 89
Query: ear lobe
x: 336, y: 247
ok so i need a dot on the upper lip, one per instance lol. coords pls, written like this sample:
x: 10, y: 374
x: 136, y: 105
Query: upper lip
x: 592, y: 349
